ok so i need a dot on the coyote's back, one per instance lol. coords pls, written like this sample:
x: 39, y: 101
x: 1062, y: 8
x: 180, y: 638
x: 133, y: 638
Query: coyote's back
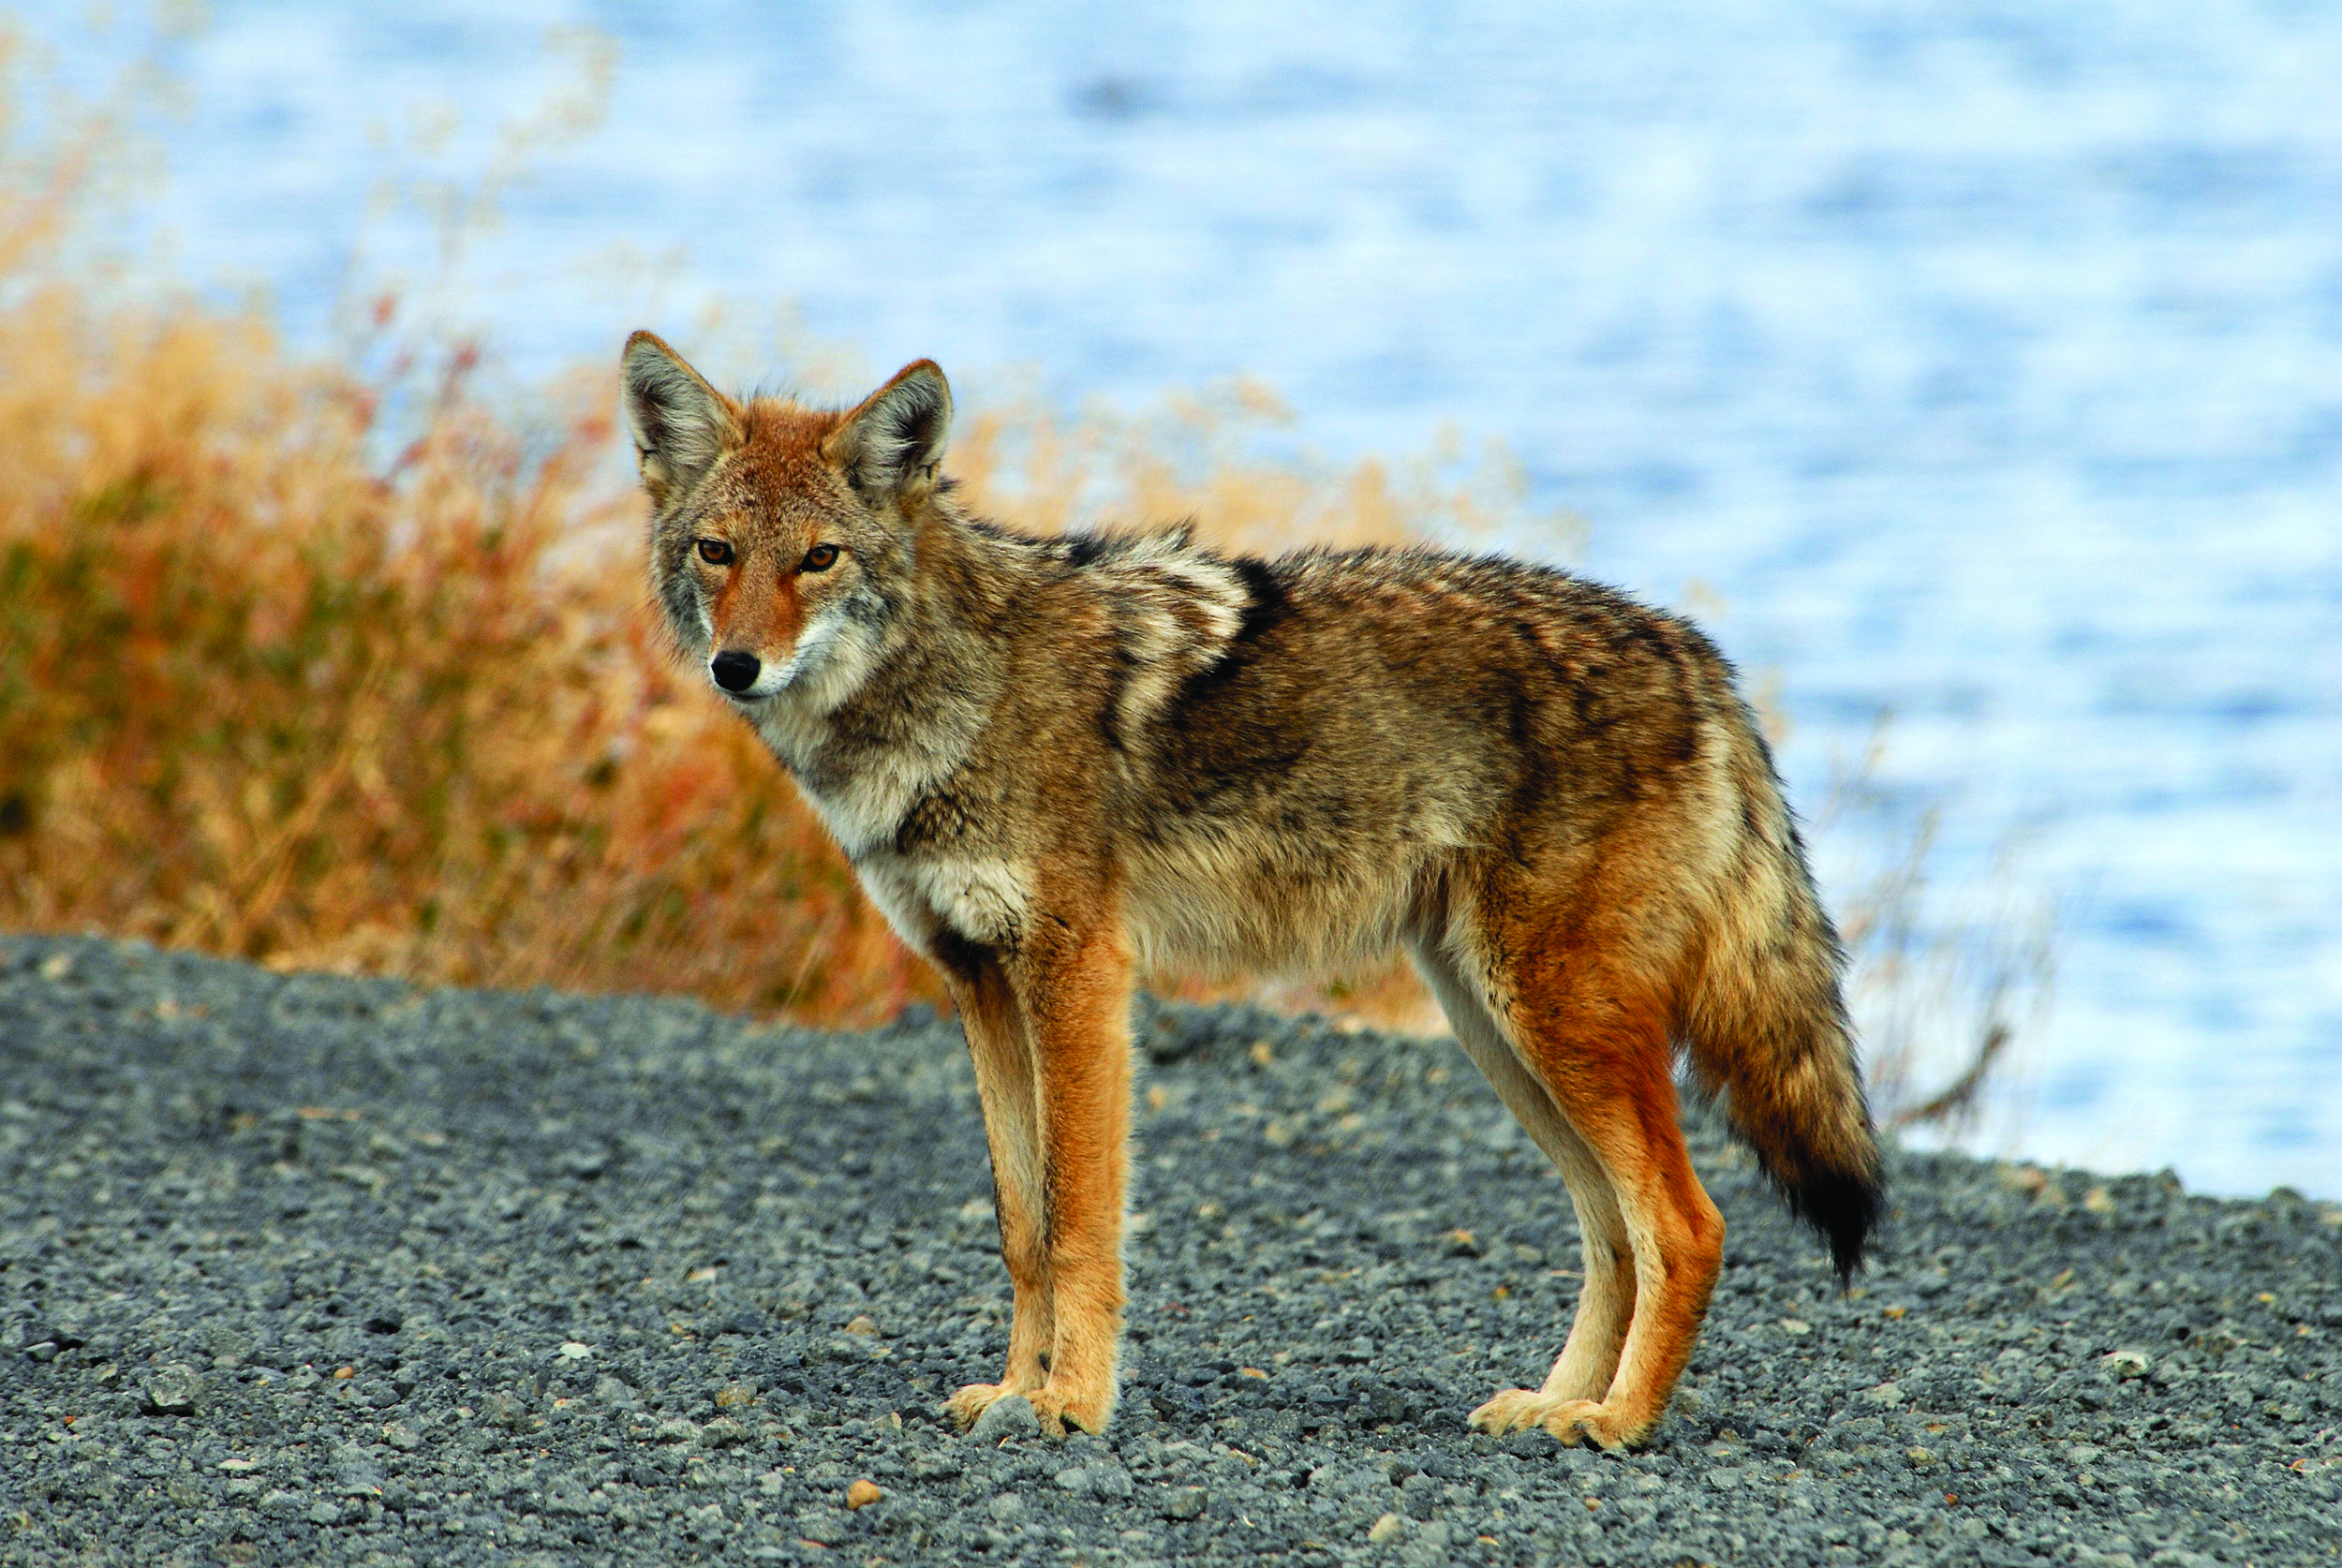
x: 1055, y: 760
x: 1382, y: 734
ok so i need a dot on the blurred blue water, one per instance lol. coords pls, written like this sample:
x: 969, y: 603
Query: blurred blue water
x: 1984, y: 359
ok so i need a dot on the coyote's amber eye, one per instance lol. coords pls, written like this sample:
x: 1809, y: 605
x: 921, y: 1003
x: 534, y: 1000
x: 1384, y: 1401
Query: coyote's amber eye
x: 715, y: 551
x: 820, y: 557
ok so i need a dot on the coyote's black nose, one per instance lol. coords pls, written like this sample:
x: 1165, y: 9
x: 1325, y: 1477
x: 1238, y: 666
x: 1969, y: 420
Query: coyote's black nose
x: 734, y: 671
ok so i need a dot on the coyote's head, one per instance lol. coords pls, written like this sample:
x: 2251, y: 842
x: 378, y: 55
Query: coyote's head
x: 780, y: 535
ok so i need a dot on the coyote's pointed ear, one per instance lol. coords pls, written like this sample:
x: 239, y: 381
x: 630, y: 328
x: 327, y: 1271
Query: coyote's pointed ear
x: 681, y: 423
x: 892, y: 444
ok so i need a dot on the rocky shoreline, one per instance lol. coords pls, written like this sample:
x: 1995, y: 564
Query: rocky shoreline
x: 309, y: 1269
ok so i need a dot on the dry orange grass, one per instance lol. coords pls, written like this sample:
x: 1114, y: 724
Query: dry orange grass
x: 267, y: 691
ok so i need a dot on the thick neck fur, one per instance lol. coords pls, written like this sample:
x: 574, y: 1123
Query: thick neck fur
x: 908, y: 684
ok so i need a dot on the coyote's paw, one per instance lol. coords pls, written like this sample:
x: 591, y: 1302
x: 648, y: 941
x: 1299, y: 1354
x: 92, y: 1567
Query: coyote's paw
x: 1060, y: 1406
x: 1509, y: 1410
x: 1568, y: 1420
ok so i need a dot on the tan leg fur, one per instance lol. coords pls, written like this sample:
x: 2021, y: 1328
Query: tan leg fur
x: 1596, y: 1039
x: 1054, y: 1078
x: 1009, y: 1086
x: 1605, y: 1301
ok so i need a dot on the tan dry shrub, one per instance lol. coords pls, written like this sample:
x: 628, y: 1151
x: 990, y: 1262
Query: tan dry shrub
x: 263, y: 694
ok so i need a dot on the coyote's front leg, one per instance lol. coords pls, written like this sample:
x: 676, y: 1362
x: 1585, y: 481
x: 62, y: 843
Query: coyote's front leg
x: 1010, y: 1088
x: 1076, y: 996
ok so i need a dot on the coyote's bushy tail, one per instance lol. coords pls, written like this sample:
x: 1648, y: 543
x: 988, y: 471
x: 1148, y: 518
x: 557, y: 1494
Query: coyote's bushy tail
x: 1766, y: 1026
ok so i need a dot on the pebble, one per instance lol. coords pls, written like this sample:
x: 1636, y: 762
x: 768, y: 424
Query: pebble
x: 1186, y: 1502
x: 174, y: 1389
x: 1109, y: 1481
x: 503, y: 1408
x: 1007, y: 1417
x: 823, y: 1527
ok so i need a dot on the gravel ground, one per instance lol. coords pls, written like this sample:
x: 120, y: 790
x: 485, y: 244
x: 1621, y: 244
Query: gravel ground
x: 306, y: 1269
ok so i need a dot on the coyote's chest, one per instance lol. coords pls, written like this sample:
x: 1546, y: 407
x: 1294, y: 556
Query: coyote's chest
x: 983, y: 899
x: 863, y: 796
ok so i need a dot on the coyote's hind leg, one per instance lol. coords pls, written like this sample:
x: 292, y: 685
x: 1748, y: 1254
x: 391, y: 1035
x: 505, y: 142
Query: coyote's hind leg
x: 1597, y: 1038
x: 1606, y: 1299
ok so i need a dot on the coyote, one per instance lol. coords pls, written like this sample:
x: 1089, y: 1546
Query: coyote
x: 1056, y: 762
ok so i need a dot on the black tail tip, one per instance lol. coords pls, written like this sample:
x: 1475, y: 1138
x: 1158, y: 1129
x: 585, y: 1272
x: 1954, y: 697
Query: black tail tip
x: 1845, y: 1209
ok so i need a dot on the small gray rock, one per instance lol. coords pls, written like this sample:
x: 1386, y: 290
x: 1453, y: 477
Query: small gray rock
x: 229, y: 1342
x: 586, y: 1163
x: 1010, y: 1417
x: 358, y: 1478
x: 174, y: 1389
x: 939, y: 1465
x: 1186, y: 1502
x: 504, y: 1409
x: 1104, y: 1480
